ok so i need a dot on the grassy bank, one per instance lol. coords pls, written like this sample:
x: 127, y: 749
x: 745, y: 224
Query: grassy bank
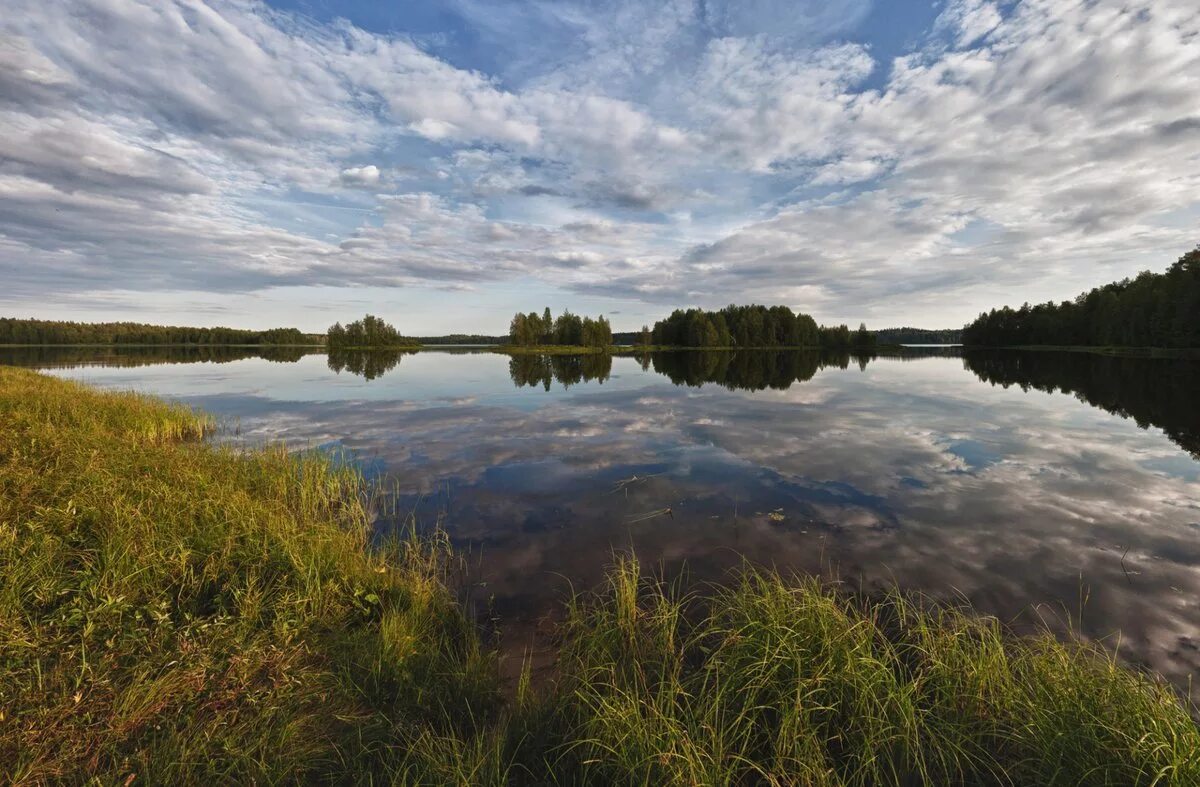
x: 179, y: 613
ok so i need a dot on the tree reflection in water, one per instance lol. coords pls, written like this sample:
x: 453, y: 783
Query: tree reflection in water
x: 368, y: 364
x: 1162, y: 392
x: 567, y: 370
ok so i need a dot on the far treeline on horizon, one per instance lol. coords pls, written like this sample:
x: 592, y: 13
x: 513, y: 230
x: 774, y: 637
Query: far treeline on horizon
x: 1152, y: 310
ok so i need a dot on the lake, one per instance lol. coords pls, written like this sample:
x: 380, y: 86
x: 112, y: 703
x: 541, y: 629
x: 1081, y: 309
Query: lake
x: 1064, y: 486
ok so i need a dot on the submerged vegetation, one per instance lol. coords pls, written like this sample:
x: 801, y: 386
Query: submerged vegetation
x: 1151, y: 310
x: 174, y: 611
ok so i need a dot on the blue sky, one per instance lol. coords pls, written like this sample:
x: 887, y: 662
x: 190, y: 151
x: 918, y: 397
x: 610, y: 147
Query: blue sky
x: 443, y: 164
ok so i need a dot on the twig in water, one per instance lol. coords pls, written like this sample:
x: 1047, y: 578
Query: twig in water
x: 625, y: 483
x: 1127, y: 571
x: 652, y: 514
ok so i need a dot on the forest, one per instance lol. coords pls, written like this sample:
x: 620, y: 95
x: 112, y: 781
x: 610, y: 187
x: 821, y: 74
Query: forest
x: 752, y: 326
x: 1150, y: 310
x: 368, y: 332
x: 15, y: 331
x: 462, y: 338
x: 532, y: 329
x: 908, y: 335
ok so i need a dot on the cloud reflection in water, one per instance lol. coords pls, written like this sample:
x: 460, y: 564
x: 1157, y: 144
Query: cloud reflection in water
x: 909, y: 472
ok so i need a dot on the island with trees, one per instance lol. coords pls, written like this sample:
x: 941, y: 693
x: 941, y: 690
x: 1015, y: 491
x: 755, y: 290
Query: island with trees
x: 752, y: 327
x: 568, y: 332
x: 369, y: 333
x: 733, y: 327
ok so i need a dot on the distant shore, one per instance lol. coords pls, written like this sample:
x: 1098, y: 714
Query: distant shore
x: 635, y: 349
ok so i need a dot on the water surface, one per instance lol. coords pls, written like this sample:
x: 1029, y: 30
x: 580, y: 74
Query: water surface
x: 1059, y: 484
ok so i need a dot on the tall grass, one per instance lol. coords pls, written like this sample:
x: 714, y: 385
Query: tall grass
x: 176, y: 612
x: 770, y: 681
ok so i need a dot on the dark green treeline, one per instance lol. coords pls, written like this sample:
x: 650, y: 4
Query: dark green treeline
x: 908, y: 335
x: 14, y: 331
x: 1151, y: 310
x: 752, y: 326
x: 370, y: 331
x: 532, y: 329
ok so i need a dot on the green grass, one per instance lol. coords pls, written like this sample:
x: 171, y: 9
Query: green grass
x: 181, y: 613
x: 791, y: 682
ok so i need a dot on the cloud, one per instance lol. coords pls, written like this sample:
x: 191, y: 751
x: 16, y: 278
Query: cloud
x: 360, y: 176
x: 713, y: 152
x: 968, y: 20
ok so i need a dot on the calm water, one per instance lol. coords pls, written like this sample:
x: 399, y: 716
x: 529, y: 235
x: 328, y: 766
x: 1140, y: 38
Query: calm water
x: 1025, y: 483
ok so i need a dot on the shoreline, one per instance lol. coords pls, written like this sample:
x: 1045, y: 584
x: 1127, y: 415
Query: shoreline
x: 176, y: 610
x: 504, y: 349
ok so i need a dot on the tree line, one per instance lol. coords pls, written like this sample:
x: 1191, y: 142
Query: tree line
x: 752, y: 326
x: 908, y: 335
x: 533, y: 329
x: 15, y: 331
x: 462, y: 338
x: 1151, y: 310
x: 370, y: 331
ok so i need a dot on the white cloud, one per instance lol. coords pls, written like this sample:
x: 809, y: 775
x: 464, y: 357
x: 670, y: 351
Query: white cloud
x: 968, y: 20
x: 367, y: 175
x: 689, y: 152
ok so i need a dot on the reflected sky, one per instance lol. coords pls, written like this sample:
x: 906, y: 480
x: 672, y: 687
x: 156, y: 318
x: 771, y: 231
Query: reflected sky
x: 953, y: 476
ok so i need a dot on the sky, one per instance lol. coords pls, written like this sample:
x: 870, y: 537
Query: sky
x: 443, y: 164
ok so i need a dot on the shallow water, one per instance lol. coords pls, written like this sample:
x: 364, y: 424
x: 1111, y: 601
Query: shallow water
x: 1059, y: 484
